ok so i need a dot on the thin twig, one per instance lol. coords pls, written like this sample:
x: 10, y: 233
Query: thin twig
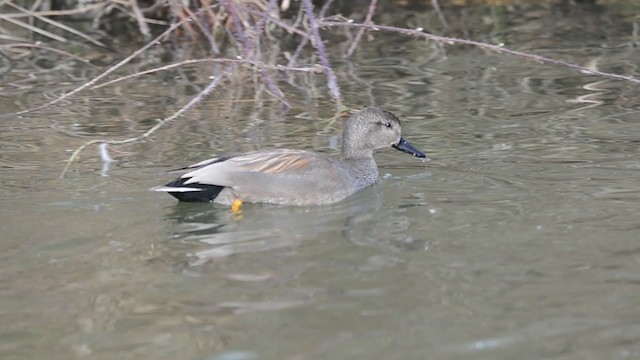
x: 206, y: 32
x: 142, y: 25
x: 497, y: 48
x: 282, y: 24
x: 257, y: 64
x: 265, y: 16
x: 436, y: 7
x: 34, y: 29
x: 79, y: 10
x: 274, y: 89
x: 106, y: 72
x: 332, y: 81
x: 57, y: 24
x: 303, y: 43
x: 258, y: 30
x: 266, y: 77
x: 212, y: 85
x: 237, y: 24
x: 10, y: 64
x: 367, y: 20
x: 40, y: 46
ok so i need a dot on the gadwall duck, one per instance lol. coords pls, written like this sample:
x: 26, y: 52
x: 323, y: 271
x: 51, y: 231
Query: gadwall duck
x: 295, y: 177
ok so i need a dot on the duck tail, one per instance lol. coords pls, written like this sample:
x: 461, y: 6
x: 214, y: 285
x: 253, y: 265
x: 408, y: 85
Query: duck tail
x: 194, y: 192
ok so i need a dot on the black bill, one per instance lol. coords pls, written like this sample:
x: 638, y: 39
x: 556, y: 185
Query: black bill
x: 403, y: 145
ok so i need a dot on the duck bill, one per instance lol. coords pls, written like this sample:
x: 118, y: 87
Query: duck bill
x: 403, y: 145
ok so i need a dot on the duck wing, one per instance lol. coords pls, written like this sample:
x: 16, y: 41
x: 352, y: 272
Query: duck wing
x: 225, y: 171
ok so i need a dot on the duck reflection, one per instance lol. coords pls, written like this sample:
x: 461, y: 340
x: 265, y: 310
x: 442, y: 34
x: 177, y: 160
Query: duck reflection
x: 216, y: 232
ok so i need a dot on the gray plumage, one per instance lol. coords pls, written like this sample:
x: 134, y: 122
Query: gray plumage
x: 296, y: 177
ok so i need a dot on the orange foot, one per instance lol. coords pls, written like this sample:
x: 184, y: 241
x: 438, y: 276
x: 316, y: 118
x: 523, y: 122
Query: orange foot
x: 235, y: 207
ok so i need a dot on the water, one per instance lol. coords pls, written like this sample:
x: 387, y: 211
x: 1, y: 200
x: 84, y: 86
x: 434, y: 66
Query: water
x: 518, y: 238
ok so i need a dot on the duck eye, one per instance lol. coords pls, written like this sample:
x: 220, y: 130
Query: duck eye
x: 387, y: 125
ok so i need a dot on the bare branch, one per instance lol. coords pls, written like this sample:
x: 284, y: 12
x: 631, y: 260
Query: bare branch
x: 497, y: 48
x: 367, y: 20
x: 106, y: 72
x: 332, y: 81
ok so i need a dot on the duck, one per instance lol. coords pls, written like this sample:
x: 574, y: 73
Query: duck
x: 295, y: 177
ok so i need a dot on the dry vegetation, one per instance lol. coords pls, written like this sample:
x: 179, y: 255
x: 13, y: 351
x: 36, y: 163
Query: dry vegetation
x: 240, y: 34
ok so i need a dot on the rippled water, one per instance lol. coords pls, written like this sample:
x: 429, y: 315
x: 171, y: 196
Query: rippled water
x: 518, y: 238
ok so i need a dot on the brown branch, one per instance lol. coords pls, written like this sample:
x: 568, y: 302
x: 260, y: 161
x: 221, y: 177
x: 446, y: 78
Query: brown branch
x: 106, y: 72
x: 142, y: 25
x: 43, y: 47
x: 257, y: 64
x: 59, y: 12
x: 332, y: 80
x: 497, y: 48
x: 367, y: 20
x: 57, y: 24
x: 212, y: 85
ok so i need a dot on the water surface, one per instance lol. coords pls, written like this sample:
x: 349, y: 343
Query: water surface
x: 518, y: 238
